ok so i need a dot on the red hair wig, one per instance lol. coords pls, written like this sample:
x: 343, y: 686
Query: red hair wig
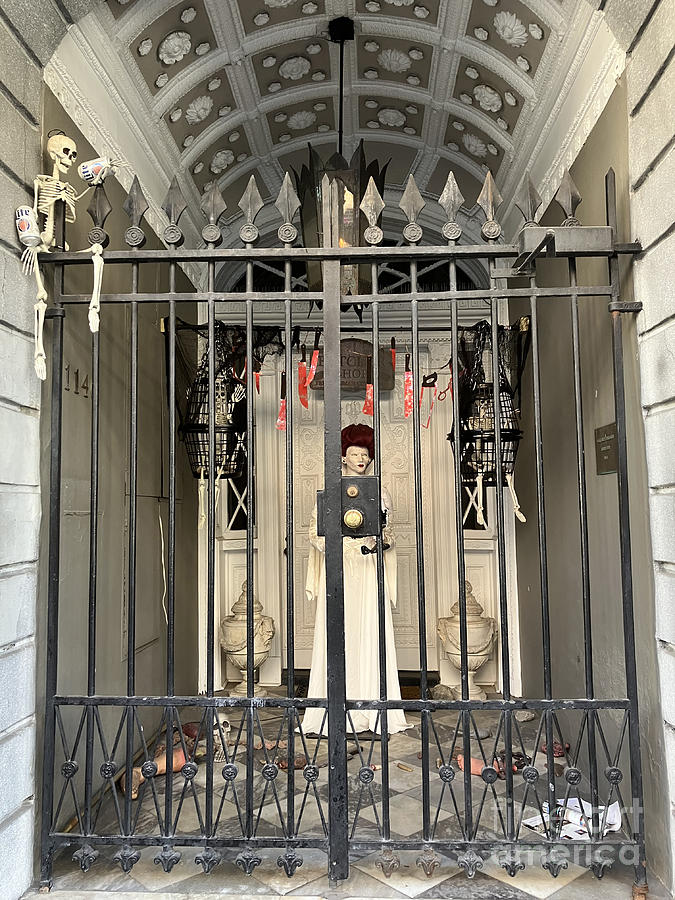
x: 358, y: 436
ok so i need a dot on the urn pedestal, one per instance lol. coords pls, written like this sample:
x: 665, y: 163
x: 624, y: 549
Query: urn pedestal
x: 480, y: 634
x: 233, y: 630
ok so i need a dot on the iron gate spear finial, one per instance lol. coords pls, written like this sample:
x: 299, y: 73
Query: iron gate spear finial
x: 489, y: 201
x: 250, y: 204
x: 528, y: 200
x: 451, y: 199
x: 212, y: 207
x: 174, y: 206
x: 568, y: 197
x: 412, y: 203
x: 135, y: 206
x: 371, y: 206
x: 288, y: 204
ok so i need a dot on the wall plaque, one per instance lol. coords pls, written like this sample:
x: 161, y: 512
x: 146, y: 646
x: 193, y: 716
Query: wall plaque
x: 354, y: 355
x: 606, y: 459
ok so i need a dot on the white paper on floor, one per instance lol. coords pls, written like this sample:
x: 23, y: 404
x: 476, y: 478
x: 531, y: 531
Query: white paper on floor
x: 574, y: 820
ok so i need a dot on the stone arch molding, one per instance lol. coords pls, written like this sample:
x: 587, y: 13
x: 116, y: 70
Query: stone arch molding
x: 207, y: 89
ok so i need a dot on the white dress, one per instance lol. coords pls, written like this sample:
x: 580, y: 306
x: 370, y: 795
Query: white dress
x: 361, y: 631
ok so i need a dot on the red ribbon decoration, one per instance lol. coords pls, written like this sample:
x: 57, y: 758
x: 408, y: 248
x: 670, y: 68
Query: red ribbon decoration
x: 302, y: 378
x: 281, y: 418
x: 315, y: 358
x: 368, y: 405
x: 407, y: 388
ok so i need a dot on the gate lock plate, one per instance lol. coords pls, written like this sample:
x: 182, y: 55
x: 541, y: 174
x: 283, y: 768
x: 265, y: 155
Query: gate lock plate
x: 360, y: 512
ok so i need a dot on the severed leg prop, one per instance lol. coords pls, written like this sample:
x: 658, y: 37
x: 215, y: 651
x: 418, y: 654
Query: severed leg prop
x: 516, y: 505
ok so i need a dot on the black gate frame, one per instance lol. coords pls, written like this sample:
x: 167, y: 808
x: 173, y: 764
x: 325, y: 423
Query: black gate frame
x: 570, y: 241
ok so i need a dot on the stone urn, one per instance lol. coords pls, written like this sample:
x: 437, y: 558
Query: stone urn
x: 481, y: 633
x: 233, y: 639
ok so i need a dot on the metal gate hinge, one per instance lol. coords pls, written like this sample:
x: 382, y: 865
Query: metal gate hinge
x: 625, y: 306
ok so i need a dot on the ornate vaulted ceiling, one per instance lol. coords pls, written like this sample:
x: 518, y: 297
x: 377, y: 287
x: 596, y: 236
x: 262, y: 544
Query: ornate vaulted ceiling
x: 222, y: 89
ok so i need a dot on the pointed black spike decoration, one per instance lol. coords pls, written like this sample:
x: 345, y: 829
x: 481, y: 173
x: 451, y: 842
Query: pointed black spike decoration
x: 288, y: 204
x: 212, y: 207
x: 528, y: 200
x: 412, y: 203
x: 135, y: 206
x: 371, y: 207
x: 250, y: 204
x: 568, y: 197
x: 174, y: 206
x: 451, y: 199
x: 490, y: 200
x: 99, y: 209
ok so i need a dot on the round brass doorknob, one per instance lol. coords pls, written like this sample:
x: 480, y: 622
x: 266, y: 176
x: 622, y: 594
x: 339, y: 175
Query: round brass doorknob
x: 353, y: 518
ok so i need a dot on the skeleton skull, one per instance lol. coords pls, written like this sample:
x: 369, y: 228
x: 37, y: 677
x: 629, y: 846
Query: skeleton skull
x: 63, y: 152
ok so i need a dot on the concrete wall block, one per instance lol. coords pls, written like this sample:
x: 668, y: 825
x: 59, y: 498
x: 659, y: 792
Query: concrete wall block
x: 20, y: 517
x: 19, y: 142
x: 16, y: 853
x: 651, y: 287
x: 19, y: 451
x: 652, y: 49
x: 18, y: 592
x: 17, y: 291
x: 657, y: 365
x: 18, y: 381
x: 19, y: 73
x: 650, y: 130
x: 653, y: 204
x: 662, y: 515
x: 17, y: 684
x: 17, y: 782
x: 39, y: 24
x: 664, y: 601
x: 13, y: 195
x: 659, y: 434
x: 666, y: 657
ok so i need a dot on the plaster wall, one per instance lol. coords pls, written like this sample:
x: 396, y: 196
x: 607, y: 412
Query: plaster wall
x: 607, y: 146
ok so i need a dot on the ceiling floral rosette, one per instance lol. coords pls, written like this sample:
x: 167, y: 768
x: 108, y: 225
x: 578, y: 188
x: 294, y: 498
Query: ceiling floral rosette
x: 394, y: 118
x: 279, y: 4
x: 474, y: 145
x: 174, y: 47
x: 488, y: 98
x: 198, y: 110
x: 394, y: 60
x: 510, y: 29
x: 294, y: 68
x: 301, y: 119
x: 221, y: 160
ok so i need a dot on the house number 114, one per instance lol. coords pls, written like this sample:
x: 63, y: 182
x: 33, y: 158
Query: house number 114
x: 80, y: 385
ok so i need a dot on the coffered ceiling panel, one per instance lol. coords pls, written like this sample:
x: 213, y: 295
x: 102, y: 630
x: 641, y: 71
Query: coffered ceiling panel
x: 512, y: 29
x: 210, y: 100
x: 492, y: 96
x: 425, y: 11
x: 291, y: 65
x: 388, y: 59
x: 172, y: 42
x: 221, y: 156
x: 390, y: 115
x: 258, y: 14
x: 463, y: 137
x: 301, y: 120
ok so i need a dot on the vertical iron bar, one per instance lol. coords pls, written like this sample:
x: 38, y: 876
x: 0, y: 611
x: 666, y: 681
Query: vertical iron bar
x: 131, y: 575
x: 583, y: 536
x: 338, y: 861
x: 625, y: 546
x: 419, y: 545
x: 381, y: 599
x: 461, y: 562
x: 341, y: 98
x: 501, y: 557
x: 250, y: 509
x: 171, y: 577
x: 543, y: 554
x: 211, y: 551
x: 52, y: 637
x: 93, y: 568
x: 290, y: 550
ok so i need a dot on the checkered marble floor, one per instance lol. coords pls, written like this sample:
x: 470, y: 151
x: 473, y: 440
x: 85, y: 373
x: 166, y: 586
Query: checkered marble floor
x: 448, y: 881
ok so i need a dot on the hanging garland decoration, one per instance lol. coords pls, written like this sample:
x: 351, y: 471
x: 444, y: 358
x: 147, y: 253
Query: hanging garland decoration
x: 302, y: 377
x: 368, y: 405
x: 281, y: 418
x: 407, y: 389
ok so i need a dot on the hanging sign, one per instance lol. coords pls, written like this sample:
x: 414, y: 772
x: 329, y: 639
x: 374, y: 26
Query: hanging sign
x: 606, y: 458
x: 354, y: 354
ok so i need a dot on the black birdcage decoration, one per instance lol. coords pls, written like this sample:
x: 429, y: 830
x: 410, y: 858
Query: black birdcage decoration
x: 230, y: 386
x: 478, y: 446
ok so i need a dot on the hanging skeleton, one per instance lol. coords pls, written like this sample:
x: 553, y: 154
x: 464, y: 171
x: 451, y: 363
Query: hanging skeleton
x: 476, y: 408
x: 48, y: 189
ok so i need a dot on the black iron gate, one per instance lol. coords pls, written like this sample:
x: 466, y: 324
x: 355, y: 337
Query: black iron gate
x: 121, y: 770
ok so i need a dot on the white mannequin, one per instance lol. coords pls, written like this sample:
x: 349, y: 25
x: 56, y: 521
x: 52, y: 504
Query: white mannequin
x: 361, y: 617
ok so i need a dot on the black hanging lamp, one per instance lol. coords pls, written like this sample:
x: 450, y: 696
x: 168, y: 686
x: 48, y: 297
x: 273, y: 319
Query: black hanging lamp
x: 330, y: 192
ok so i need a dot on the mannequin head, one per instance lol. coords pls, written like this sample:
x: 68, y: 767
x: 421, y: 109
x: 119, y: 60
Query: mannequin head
x: 357, y: 448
